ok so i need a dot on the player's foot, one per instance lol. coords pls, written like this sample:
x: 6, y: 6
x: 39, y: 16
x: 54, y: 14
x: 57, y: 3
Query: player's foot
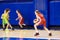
x: 36, y: 34
x: 12, y: 28
x: 24, y: 24
x: 50, y: 34
x: 3, y: 29
x: 21, y: 26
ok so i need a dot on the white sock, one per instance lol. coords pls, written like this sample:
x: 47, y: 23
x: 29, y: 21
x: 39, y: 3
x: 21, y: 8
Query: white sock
x: 37, y: 32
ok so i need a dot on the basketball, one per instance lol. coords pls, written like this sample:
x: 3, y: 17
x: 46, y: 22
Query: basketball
x: 35, y: 21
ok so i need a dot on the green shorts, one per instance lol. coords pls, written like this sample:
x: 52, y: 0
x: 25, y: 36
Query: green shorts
x: 4, y: 21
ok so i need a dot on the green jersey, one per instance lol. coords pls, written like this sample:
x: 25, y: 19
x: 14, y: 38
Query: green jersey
x: 5, y: 18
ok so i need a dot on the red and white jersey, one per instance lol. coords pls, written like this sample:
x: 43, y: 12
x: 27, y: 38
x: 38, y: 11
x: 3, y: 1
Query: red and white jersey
x: 41, y: 17
x: 21, y: 20
x: 20, y: 16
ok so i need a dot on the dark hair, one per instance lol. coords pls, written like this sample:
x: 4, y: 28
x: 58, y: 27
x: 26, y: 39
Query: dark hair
x: 37, y: 11
x: 7, y: 9
x: 18, y: 11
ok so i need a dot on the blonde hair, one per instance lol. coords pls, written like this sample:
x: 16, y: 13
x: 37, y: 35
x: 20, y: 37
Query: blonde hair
x: 7, y: 9
x: 37, y: 11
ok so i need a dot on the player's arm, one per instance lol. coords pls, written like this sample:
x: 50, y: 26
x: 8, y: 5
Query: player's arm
x: 37, y: 17
x: 17, y: 18
x: 36, y: 20
x: 8, y: 17
x: 2, y: 22
x: 2, y: 16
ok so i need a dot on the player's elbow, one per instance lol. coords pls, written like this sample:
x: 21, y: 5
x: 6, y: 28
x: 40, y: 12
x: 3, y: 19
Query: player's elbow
x: 1, y: 17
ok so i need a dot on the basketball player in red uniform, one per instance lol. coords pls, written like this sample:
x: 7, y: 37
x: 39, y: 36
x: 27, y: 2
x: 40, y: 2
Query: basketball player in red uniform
x: 20, y: 18
x: 40, y: 20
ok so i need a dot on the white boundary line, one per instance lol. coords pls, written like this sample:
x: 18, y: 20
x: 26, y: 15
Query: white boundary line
x: 34, y: 38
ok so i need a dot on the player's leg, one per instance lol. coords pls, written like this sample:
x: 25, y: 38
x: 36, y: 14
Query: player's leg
x: 44, y: 23
x: 35, y: 27
x: 20, y: 25
x: 50, y: 34
x: 10, y: 26
x: 3, y: 27
x: 21, y: 22
x: 3, y: 23
x: 7, y: 26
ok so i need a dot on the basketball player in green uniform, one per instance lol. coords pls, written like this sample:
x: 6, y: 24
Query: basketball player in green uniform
x: 5, y: 19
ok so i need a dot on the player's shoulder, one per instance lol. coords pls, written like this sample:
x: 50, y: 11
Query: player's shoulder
x: 41, y: 15
x: 3, y: 14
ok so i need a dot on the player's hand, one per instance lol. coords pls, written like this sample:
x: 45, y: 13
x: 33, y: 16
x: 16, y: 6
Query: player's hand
x: 1, y: 17
x: 35, y: 21
x: 16, y: 19
x: 3, y: 27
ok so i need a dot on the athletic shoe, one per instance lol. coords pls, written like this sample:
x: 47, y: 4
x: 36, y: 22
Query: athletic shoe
x: 36, y: 34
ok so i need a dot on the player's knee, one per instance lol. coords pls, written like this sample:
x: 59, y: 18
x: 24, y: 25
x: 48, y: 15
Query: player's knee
x: 34, y: 25
x: 19, y: 23
x: 44, y: 25
x: 44, y: 21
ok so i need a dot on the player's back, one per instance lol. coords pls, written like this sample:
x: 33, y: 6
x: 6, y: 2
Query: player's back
x: 20, y: 16
x: 40, y: 15
x: 4, y: 16
x: 43, y: 20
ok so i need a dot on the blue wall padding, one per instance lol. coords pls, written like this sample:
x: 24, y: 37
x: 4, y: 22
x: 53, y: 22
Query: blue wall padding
x: 54, y: 13
x: 26, y: 9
